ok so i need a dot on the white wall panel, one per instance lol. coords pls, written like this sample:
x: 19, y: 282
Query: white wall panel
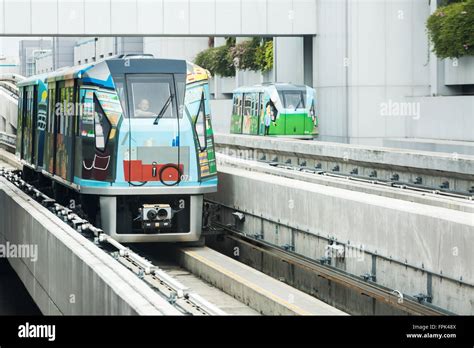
x: 17, y: 16
x: 71, y: 17
x: 304, y: 16
x: 280, y: 16
x: 150, y: 16
x: 124, y: 16
x: 254, y: 12
x: 228, y: 17
x: 2, y: 22
x: 176, y: 16
x: 97, y: 16
x: 201, y: 17
x: 155, y: 17
x: 44, y: 16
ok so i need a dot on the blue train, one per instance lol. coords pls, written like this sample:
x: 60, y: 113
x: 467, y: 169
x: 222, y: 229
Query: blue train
x: 128, y: 140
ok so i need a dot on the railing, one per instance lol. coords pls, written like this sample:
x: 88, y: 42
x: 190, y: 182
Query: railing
x: 8, y: 140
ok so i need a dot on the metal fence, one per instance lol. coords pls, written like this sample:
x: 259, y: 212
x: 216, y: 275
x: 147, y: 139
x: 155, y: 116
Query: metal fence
x: 8, y: 140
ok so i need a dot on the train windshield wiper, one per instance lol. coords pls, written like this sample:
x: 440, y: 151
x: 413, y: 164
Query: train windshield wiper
x: 299, y: 103
x: 163, y: 110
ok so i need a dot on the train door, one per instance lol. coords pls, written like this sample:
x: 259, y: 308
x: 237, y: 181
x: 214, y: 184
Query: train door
x: 28, y: 126
x: 248, y: 113
x: 21, y: 122
x: 70, y: 128
x: 155, y: 110
x: 59, y: 130
x: 50, y: 137
x: 236, y: 118
x: 255, y: 114
x: 41, y: 112
x: 295, y: 112
x: 34, y: 124
x: 261, y: 114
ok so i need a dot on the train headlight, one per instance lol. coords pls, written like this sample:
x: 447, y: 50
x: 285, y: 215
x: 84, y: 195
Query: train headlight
x: 156, y: 212
x: 163, y: 214
x: 151, y: 214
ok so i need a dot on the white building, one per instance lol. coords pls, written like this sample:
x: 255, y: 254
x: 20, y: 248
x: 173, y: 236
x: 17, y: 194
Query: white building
x: 90, y: 50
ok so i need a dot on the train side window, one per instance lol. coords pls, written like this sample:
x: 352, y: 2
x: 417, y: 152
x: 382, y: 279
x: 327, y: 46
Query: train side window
x: 20, y: 121
x: 102, y: 126
x: 120, y: 88
x: 237, y: 105
x: 255, y: 104
x: 67, y: 101
x: 51, y: 109
x: 247, y: 105
x: 235, y: 109
x: 200, y: 124
x: 312, y: 112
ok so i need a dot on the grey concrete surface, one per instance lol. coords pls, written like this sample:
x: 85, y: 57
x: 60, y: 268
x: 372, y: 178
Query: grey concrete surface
x: 462, y: 164
x: 432, y: 145
x: 70, y: 275
x: 434, y: 168
x: 259, y: 291
x: 386, y: 191
x: 435, y: 240
x: 8, y: 159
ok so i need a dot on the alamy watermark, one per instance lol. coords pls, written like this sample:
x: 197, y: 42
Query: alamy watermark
x: 22, y: 251
x: 405, y: 109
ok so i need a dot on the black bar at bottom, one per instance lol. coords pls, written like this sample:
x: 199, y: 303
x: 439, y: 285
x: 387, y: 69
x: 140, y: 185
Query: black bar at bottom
x: 136, y: 331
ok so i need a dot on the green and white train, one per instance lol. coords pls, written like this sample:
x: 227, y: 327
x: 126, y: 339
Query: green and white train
x: 279, y: 109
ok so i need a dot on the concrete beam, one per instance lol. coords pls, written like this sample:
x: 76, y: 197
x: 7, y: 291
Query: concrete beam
x: 390, y: 157
x: 260, y: 291
x: 413, y: 247
x: 157, y: 17
x: 435, y: 168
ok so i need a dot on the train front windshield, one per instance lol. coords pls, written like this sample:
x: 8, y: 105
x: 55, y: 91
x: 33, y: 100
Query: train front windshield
x: 293, y: 99
x: 152, y: 96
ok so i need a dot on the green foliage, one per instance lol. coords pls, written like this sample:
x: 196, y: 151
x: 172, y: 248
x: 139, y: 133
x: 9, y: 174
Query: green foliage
x: 217, y: 60
x: 255, y: 54
x: 245, y: 54
x: 451, y: 30
x: 265, y: 59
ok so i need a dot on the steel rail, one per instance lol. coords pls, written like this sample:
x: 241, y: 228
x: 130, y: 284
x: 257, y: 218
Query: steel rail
x: 383, y: 294
x: 176, y: 293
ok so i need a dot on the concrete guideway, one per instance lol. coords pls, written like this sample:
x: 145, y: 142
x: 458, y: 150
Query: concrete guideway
x: 259, y: 291
x: 434, y: 168
x: 411, y: 247
x: 461, y: 204
x: 71, y: 275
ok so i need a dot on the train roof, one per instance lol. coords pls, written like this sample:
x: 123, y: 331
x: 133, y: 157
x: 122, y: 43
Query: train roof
x: 278, y: 86
x: 32, y: 80
x: 101, y: 73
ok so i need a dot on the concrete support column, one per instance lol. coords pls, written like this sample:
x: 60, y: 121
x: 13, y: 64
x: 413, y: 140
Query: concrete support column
x: 290, y: 60
x: 308, y: 60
